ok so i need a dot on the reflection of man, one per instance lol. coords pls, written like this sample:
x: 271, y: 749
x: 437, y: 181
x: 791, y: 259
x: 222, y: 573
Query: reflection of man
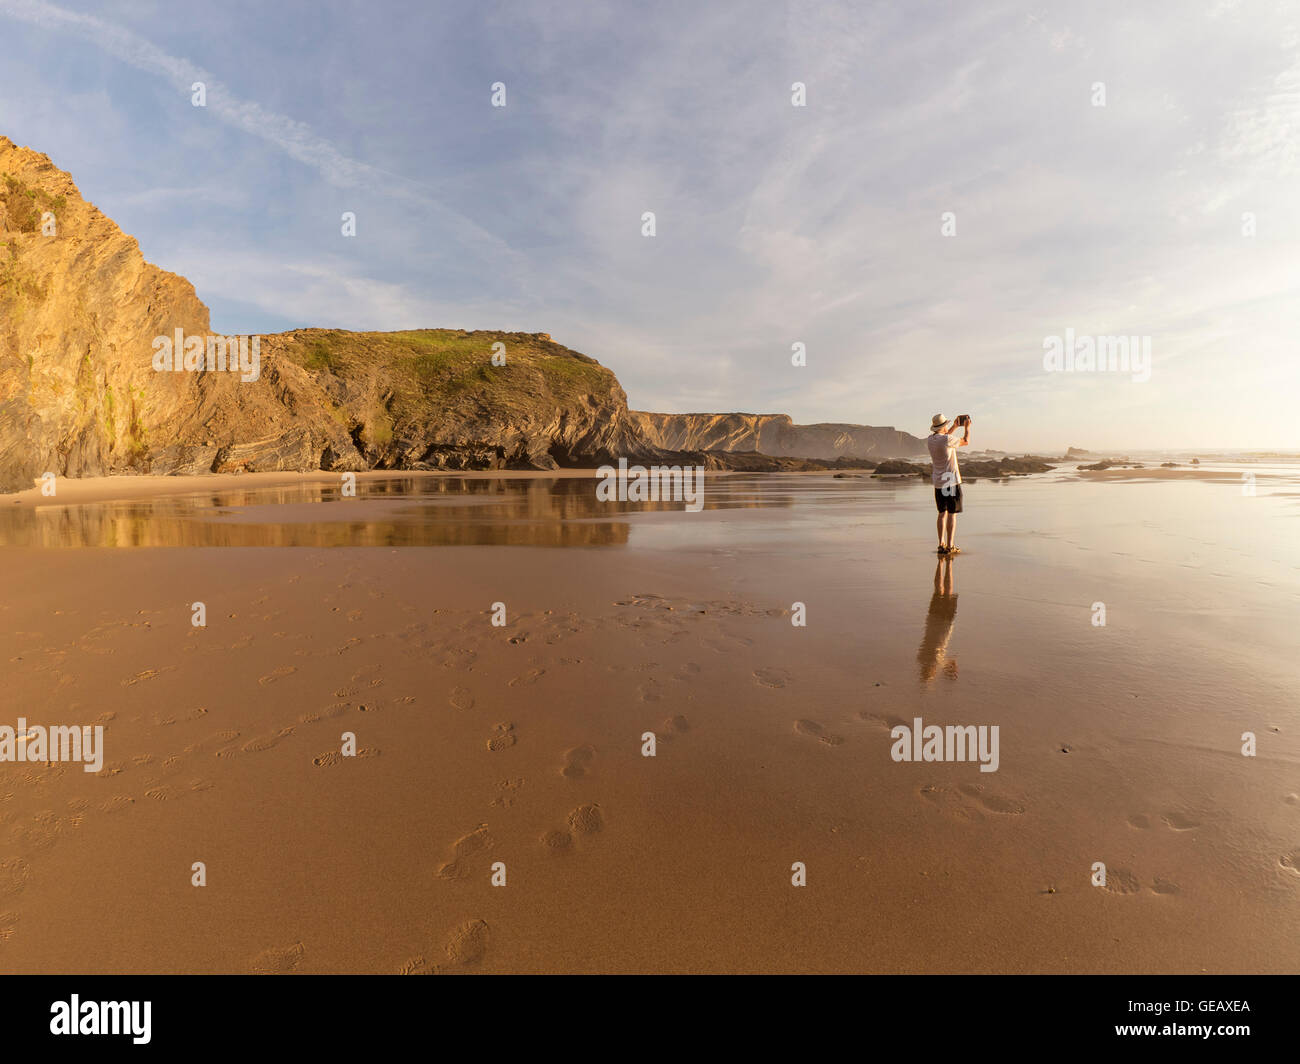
x: 938, y: 625
x: 945, y: 475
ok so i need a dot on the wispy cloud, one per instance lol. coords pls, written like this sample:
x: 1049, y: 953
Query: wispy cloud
x: 295, y: 139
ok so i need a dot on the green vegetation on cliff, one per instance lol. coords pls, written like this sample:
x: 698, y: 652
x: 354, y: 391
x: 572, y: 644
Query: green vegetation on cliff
x: 24, y: 205
x: 432, y: 362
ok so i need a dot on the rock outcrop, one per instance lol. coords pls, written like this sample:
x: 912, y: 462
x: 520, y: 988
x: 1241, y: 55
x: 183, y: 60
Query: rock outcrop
x: 776, y: 435
x: 973, y: 468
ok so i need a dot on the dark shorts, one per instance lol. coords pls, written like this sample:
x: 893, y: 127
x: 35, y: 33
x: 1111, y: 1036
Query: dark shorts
x: 948, y: 504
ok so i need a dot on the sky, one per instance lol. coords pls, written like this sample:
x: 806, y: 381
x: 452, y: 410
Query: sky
x: 1101, y: 169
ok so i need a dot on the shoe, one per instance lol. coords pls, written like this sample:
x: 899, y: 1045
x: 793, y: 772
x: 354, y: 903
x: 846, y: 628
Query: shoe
x: 953, y: 550
x: 942, y: 550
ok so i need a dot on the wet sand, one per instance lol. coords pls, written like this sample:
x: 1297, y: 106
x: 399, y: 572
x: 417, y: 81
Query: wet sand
x: 523, y: 744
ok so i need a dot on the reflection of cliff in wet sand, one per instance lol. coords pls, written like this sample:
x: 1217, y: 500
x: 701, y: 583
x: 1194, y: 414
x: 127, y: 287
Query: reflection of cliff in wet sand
x: 387, y: 510
x: 939, y: 621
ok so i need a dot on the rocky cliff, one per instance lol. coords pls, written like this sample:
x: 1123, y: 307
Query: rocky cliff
x: 774, y: 434
x: 80, y: 312
x: 79, y: 308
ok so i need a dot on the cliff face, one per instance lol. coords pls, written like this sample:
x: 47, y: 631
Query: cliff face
x: 774, y: 434
x: 78, y: 312
x: 433, y: 399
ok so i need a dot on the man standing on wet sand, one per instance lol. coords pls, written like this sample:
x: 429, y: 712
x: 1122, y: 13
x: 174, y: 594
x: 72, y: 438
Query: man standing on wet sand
x: 945, y: 476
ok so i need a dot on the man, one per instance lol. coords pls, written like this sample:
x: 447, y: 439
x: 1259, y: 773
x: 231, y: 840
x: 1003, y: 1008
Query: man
x: 946, y: 477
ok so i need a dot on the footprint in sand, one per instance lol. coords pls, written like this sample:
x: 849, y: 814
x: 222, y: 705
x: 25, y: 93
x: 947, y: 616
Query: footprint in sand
x: 1121, y: 881
x: 528, y: 678
x: 147, y: 674
x: 467, y: 943
x: 508, y: 790
x: 1140, y: 821
x: 888, y: 721
x: 673, y: 727
x: 576, y: 761
x: 41, y: 834
x: 994, y: 803
x: 14, y: 873
x: 220, y: 738
x: 8, y: 925
x: 333, y: 757
x: 461, y: 658
x: 1291, y: 861
x: 966, y: 801
x: 557, y: 841
x: 278, y: 673
x: 503, y: 737
x: 466, y: 946
x: 815, y: 731
x: 1164, y: 886
x: 312, y: 716
x: 775, y: 678
x: 461, y: 699
x: 464, y: 848
x: 265, y: 742
x: 279, y: 960
x: 1180, y: 821
x: 587, y: 819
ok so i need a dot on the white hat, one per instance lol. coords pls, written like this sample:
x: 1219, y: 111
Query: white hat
x: 937, y: 422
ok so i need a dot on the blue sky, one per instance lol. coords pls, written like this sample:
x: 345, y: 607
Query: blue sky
x: 775, y: 224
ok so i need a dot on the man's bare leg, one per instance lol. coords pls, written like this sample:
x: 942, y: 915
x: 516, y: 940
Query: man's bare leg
x: 950, y: 530
x: 939, y: 527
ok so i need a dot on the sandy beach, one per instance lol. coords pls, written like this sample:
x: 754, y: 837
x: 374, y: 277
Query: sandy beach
x: 520, y: 747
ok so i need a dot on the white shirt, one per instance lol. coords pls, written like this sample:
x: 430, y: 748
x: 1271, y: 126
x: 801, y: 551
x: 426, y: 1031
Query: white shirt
x: 943, y: 458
